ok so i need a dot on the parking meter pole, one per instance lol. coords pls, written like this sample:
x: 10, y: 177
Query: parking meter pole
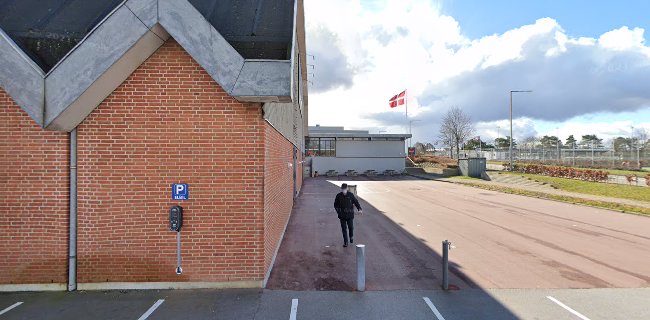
x: 179, y: 269
x: 445, y: 265
x: 361, y: 267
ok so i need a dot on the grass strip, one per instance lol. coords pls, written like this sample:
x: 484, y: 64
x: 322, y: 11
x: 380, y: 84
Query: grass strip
x: 536, y: 194
x: 621, y: 191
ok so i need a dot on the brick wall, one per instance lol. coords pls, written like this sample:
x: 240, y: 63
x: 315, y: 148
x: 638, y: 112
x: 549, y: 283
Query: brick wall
x: 278, y: 189
x: 169, y: 122
x: 34, y: 193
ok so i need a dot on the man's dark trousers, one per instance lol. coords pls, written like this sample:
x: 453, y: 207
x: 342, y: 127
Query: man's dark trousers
x: 347, y: 225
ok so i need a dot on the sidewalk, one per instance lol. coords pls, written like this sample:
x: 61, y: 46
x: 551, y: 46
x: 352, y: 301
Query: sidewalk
x: 311, y: 256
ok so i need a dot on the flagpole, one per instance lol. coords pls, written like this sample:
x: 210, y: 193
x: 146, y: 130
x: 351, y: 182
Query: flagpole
x: 406, y: 102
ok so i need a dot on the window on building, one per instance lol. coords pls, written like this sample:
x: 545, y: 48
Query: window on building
x: 320, y: 147
x: 327, y: 147
x: 311, y: 146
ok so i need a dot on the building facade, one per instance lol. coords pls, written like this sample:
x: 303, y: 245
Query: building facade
x: 104, y: 106
x: 337, y: 151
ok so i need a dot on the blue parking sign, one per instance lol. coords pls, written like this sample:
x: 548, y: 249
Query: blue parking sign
x: 180, y: 191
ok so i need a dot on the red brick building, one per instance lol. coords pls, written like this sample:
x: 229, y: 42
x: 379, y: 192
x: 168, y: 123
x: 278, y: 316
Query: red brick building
x: 206, y: 103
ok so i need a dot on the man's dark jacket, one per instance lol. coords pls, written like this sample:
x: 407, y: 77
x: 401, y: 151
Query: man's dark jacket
x: 344, y: 205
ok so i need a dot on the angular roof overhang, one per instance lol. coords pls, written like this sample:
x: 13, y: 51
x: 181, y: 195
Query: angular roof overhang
x: 119, y: 44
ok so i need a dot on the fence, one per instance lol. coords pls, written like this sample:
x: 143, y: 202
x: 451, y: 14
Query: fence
x: 588, y: 158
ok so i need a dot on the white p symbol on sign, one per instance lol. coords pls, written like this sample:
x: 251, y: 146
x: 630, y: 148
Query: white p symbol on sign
x: 179, y: 188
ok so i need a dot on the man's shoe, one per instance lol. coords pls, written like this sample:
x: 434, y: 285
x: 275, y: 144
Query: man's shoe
x: 351, y: 240
x: 345, y: 245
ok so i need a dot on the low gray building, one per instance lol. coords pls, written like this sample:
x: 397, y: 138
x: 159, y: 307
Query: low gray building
x: 336, y: 150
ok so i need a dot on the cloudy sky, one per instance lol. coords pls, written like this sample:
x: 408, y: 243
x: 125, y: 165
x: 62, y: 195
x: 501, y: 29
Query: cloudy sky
x: 587, y: 63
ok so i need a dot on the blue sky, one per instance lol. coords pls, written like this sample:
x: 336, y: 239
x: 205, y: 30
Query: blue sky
x: 588, y: 63
x: 579, y: 18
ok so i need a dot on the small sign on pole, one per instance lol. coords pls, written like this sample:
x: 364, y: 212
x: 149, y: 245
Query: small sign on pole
x: 411, y: 151
x: 180, y: 191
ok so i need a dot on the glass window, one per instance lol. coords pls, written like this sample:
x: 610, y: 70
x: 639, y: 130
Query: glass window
x: 311, y: 147
x: 327, y: 147
x: 320, y: 147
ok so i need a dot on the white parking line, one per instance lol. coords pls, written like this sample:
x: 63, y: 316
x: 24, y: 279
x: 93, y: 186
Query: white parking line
x: 567, y: 308
x: 151, y: 310
x: 294, y: 309
x: 433, y: 308
x: 10, y: 307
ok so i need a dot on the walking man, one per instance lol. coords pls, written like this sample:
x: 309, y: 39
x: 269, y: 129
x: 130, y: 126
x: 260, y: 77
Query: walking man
x: 344, y: 204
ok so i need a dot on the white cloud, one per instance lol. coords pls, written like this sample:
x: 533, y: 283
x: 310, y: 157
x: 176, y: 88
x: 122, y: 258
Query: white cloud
x: 389, y: 46
x: 334, y: 70
x: 622, y: 38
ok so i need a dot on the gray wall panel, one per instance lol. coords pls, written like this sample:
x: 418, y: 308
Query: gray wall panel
x: 286, y: 117
x: 106, y: 45
x: 145, y: 10
x: 360, y: 165
x: 21, y: 79
x: 201, y: 40
x: 264, y: 78
x: 281, y: 117
x: 370, y: 148
x: 104, y: 85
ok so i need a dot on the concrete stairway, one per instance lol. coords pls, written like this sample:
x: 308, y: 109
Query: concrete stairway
x: 514, y: 181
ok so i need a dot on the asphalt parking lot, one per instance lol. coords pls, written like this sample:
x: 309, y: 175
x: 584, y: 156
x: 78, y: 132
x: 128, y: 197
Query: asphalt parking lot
x: 515, y: 258
x: 590, y: 304
x: 502, y: 241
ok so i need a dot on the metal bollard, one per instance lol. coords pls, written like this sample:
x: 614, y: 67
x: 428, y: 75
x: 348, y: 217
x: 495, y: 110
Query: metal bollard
x: 361, y: 267
x: 445, y: 264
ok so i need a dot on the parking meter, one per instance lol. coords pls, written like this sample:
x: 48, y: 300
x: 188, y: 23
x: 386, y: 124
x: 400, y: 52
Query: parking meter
x: 175, y: 218
x: 175, y: 224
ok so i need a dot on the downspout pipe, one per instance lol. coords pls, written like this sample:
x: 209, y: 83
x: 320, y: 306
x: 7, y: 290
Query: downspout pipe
x: 72, y: 251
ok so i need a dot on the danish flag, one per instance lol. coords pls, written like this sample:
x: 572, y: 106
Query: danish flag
x: 398, y: 100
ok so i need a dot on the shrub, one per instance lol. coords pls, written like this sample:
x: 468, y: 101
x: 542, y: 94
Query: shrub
x: 563, y: 172
x: 631, y: 178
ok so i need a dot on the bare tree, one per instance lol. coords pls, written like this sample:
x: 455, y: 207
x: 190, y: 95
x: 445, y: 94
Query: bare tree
x: 455, y: 129
x: 530, y: 142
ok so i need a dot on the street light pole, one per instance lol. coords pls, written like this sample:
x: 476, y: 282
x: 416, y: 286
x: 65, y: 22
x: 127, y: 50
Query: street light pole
x: 592, y: 153
x: 574, y: 153
x: 511, y: 138
x: 496, y: 145
x: 557, y: 142
x: 631, y: 144
x: 638, y: 149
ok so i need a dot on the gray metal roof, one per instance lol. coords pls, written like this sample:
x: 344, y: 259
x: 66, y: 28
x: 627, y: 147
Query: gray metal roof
x: 111, y: 45
x: 359, y: 135
x: 340, y: 132
x: 257, y: 29
x: 48, y: 30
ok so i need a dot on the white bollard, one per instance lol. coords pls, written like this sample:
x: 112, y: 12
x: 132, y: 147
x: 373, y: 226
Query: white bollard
x: 361, y: 267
